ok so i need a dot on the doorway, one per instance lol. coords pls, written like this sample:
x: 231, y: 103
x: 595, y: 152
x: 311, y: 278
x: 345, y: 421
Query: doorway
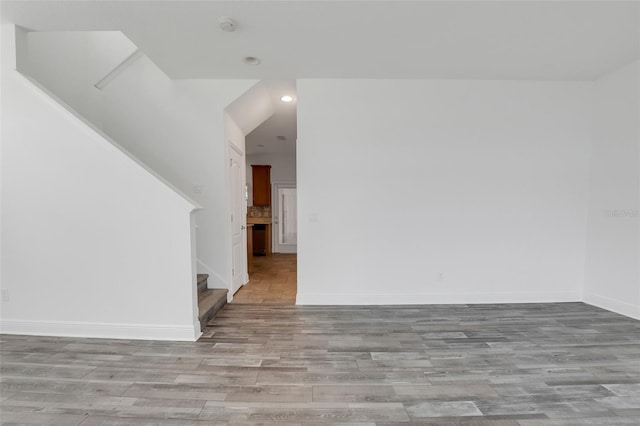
x: 271, y: 259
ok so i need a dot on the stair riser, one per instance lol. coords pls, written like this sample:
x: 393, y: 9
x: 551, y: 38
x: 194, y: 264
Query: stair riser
x: 202, y: 286
x: 211, y: 313
x: 210, y: 301
x: 202, y: 283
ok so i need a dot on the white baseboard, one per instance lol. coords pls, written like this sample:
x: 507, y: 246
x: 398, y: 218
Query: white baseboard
x: 286, y: 250
x: 101, y: 330
x: 433, y: 298
x: 613, y: 305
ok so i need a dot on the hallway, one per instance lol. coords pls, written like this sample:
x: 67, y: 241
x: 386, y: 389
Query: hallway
x: 272, y: 282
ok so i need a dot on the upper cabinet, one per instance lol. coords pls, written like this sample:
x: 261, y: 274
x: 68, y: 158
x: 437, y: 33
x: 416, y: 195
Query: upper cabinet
x: 261, y: 185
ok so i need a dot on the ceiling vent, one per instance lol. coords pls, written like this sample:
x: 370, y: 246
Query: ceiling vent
x: 251, y: 60
x: 227, y: 24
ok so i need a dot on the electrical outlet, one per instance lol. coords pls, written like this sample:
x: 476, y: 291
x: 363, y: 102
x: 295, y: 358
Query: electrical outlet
x: 4, y: 295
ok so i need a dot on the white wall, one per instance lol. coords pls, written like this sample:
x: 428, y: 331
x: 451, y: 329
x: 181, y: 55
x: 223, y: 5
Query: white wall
x: 612, y: 278
x: 283, y: 168
x: 409, y: 191
x: 175, y: 126
x: 70, y: 63
x: 441, y: 191
x: 87, y: 234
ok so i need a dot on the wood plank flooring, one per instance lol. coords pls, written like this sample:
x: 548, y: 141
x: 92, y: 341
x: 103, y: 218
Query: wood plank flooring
x: 272, y: 282
x: 527, y: 365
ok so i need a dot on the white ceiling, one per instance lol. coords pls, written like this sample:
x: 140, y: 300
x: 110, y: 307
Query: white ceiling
x: 517, y: 40
x: 547, y: 40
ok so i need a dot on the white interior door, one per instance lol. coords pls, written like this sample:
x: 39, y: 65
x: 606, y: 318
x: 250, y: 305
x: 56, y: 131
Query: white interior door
x: 238, y: 219
x: 286, y: 220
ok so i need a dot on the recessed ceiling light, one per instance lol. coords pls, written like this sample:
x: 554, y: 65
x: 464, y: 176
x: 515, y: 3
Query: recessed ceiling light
x: 251, y: 60
x: 286, y: 98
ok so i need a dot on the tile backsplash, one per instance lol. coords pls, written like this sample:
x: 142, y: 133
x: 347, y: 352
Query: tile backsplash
x: 259, y: 211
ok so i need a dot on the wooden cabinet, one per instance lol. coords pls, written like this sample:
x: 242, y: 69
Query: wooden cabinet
x: 260, y: 240
x: 261, y: 185
x: 261, y: 216
x: 249, y: 248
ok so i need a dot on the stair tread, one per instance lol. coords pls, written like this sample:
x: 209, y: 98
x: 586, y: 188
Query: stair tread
x: 202, y: 277
x: 210, y: 297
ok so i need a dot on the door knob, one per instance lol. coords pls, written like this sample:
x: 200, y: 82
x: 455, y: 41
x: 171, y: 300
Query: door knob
x: 243, y: 227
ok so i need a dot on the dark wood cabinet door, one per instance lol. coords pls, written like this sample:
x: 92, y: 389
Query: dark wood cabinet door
x: 261, y: 185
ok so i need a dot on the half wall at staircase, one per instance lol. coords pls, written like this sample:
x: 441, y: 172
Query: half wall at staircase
x: 175, y: 127
x: 96, y: 242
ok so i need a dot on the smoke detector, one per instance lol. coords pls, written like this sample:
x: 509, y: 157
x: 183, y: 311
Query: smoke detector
x: 227, y: 24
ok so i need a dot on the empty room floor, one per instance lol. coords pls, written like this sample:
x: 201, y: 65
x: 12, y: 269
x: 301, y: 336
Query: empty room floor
x: 518, y: 364
x: 272, y: 282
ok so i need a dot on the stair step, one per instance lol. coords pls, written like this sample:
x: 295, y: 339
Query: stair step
x: 202, y: 282
x: 209, y: 303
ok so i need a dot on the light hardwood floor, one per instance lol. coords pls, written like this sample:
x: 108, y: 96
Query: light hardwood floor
x: 498, y: 365
x: 273, y: 281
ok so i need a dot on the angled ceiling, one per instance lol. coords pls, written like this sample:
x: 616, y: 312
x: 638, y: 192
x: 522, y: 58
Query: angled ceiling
x: 268, y: 123
x: 541, y: 40
x: 278, y: 134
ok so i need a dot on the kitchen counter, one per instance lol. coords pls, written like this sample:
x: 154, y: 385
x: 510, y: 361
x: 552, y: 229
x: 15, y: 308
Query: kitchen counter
x: 258, y: 220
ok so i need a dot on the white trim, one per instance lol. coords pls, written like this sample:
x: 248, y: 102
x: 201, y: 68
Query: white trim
x: 187, y: 333
x: 236, y: 148
x: 613, y: 305
x: 433, y: 298
x: 128, y: 61
x: 193, y: 225
x: 242, y: 219
x: 286, y: 249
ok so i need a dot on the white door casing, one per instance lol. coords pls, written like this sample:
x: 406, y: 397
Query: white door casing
x: 238, y: 219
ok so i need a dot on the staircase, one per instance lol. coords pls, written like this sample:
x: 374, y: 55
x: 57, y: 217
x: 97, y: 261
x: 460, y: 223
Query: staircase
x: 210, y: 301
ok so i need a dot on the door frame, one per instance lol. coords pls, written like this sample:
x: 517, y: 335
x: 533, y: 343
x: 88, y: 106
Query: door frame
x: 243, y: 219
x: 275, y: 206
